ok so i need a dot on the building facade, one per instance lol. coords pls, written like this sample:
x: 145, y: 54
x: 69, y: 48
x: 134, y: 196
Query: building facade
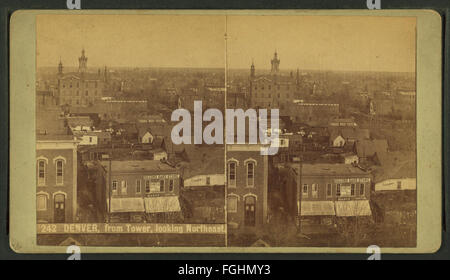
x: 56, y: 173
x: 247, y: 187
x: 81, y: 88
x: 138, y: 190
x: 273, y: 91
x: 325, y: 192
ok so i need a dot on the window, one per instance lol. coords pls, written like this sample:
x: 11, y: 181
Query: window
x: 41, y: 202
x: 208, y: 181
x: 147, y: 186
x: 361, y: 189
x: 90, y: 139
x: 315, y: 190
x: 232, y: 204
x: 114, y: 187
x: 232, y: 174
x: 138, y: 186
x: 59, y: 172
x: 250, y: 174
x: 161, y: 185
x: 338, y: 190
x: 305, y: 190
x: 86, y: 93
x: 41, y: 172
x: 352, y: 189
x: 171, y: 185
x: 123, y: 188
x: 329, y: 193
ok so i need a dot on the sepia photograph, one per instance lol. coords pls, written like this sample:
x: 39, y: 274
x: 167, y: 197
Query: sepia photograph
x: 344, y: 173
x: 225, y: 131
x: 108, y: 171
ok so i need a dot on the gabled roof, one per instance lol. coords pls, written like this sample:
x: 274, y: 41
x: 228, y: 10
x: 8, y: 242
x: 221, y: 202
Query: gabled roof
x: 349, y: 133
x: 154, y: 129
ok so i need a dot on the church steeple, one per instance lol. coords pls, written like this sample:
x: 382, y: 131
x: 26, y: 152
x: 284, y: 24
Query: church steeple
x: 275, y: 63
x: 252, y: 70
x: 60, y: 67
x: 82, y: 62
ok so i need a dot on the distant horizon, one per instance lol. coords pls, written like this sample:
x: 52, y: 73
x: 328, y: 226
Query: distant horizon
x: 218, y: 68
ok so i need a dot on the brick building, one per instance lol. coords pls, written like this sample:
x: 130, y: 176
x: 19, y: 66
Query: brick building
x: 56, y: 170
x: 80, y: 88
x: 141, y: 189
x: 247, y: 186
x: 324, y: 192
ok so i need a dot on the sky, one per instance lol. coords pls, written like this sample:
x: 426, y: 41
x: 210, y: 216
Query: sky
x: 353, y: 43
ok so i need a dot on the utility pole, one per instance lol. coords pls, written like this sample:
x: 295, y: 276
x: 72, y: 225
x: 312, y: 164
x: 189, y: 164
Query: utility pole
x: 109, y: 182
x: 299, y: 196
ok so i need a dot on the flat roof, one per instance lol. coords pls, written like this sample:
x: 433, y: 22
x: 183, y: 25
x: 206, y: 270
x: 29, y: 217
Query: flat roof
x: 331, y: 169
x: 138, y: 166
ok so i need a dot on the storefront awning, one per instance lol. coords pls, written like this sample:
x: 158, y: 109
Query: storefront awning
x: 353, y: 208
x: 162, y: 204
x: 317, y: 208
x: 127, y: 204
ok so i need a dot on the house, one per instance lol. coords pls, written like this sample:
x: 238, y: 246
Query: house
x: 148, y: 133
x: 341, y: 136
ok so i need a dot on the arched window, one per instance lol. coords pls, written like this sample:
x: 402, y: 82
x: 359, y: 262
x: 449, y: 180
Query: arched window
x: 41, y: 172
x: 59, y: 172
x: 249, y: 211
x: 232, y: 203
x: 250, y: 174
x: 232, y: 174
x: 41, y: 202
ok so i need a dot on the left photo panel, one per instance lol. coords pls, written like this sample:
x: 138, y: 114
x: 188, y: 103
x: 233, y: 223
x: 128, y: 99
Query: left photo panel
x: 115, y: 95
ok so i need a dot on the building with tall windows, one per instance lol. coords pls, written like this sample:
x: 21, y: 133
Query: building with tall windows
x: 141, y: 190
x: 326, y: 192
x: 247, y: 187
x: 81, y: 88
x: 273, y: 90
x: 56, y: 170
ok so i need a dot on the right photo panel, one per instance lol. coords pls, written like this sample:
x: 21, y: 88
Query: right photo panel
x: 320, y: 131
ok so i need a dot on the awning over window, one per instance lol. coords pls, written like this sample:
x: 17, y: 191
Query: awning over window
x: 353, y: 208
x: 162, y: 204
x: 317, y: 208
x: 127, y: 204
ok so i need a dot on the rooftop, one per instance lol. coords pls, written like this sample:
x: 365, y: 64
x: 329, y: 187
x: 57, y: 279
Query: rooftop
x: 331, y: 169
x: 132, y: 166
